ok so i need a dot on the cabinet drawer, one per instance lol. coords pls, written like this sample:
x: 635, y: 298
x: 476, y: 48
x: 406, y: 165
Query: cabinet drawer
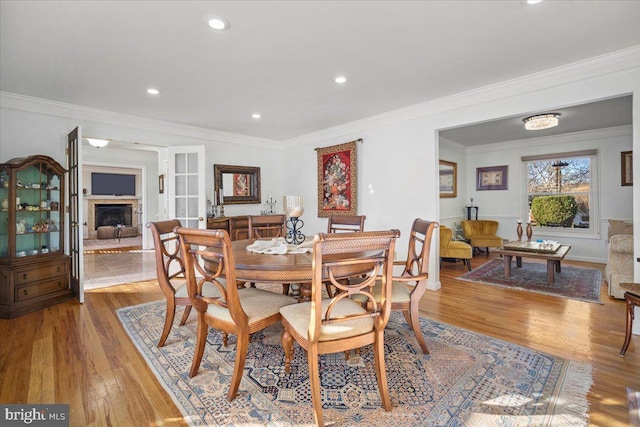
x: 40, y: 273
x: 43, y: 288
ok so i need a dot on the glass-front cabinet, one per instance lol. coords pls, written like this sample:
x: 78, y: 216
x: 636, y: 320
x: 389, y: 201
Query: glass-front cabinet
x: 34, y: 270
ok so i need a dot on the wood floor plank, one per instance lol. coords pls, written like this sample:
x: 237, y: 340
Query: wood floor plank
x: 80, y: 354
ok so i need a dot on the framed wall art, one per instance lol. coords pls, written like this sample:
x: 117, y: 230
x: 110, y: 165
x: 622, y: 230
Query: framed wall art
x: 492, y: 178
x: 627, y: 167
x: 337, y: 182
x: 234, y: 185
x: 448, y: 179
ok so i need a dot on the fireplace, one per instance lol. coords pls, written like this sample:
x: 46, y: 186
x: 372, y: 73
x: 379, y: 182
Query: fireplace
x: 131, y: 217
x: 113, y: 214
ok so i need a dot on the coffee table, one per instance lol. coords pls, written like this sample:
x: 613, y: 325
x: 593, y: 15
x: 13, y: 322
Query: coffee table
x: 553, y: 254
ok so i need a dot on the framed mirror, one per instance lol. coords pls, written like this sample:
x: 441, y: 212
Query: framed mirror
x: 235, y: 185
x: 448, y: 179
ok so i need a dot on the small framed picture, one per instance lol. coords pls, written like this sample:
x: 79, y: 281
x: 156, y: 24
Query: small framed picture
x: 627, y: 168
x: 448, y: 179
x: 492, y: 178
x: 161, y: 184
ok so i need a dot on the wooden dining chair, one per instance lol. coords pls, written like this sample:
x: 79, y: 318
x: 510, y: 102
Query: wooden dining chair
x: 343, y: 224
x: 409, y: 287
x: 339, y: 324
x: 267, y: 226
x: 170, y: 272
x: 238, y: 312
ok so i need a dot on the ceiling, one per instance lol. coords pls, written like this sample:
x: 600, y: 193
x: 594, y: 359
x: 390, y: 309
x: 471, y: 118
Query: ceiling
x: 280, y: 58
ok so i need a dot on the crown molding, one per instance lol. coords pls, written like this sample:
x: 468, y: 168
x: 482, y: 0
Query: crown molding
x: 452, y: 145
x: 613, y: 63
x: 582, y: 136
x: 60, y: 109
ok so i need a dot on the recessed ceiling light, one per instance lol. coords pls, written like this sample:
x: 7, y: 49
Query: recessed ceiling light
x: 152, y: 91
x: 534, y: 1
x: 218, y: 23
x: 256, y: 115
x: 340, y: 79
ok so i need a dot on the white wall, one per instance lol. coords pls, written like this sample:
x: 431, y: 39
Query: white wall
x: 401, y: 148
x: 31, y: 126
x: 397, y: 180
x: 452, y: 210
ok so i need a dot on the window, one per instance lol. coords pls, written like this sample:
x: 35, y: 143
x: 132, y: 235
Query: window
x: 561, y: 190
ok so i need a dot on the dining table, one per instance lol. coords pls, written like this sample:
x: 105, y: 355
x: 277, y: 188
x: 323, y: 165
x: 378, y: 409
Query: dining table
x: 289, y: 268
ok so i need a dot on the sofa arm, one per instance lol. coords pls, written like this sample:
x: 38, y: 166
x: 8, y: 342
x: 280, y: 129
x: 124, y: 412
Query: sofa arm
x: 621, y: 243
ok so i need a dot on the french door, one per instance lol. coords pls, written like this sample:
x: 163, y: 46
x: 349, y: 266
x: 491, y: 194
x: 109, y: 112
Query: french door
x: 186, y: 195
x: 75, y: 220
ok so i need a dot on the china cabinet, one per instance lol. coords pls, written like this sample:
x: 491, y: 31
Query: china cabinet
x: 34, y: 270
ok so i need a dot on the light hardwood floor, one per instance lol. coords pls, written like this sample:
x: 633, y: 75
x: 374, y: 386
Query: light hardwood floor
x: 80, y: 354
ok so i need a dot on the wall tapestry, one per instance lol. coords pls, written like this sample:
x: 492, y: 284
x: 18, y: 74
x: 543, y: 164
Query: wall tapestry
x: 337, y: 180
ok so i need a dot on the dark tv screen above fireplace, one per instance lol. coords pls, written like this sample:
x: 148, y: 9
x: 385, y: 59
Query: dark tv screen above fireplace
x: 113, y: 184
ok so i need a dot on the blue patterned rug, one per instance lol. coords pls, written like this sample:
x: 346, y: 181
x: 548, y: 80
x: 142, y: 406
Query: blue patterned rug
x: 578, y: 283
x: 468, y: 380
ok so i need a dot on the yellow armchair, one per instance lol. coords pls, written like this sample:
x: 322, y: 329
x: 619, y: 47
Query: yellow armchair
x: 482, y: 233
x: 452, y: 250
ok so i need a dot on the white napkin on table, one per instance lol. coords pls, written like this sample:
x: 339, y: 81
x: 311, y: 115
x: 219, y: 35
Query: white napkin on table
x: 279, y: 246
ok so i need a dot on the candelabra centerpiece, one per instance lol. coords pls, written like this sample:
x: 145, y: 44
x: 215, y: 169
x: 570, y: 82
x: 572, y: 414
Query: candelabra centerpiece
x: 270, y: 206
x: 293, y: 208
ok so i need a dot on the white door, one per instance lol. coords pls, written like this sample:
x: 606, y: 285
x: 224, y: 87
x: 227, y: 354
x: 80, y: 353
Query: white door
x: 186, y: 195
x: 75, y: 220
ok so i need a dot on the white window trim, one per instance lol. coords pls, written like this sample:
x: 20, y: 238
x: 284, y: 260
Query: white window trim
x: 593, y: 232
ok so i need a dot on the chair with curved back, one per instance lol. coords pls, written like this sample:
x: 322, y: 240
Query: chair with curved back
x: 343, y: 224
x: 482, y: 233
x: 454, y: 250
x: 416, y: 272
x: 323, y: 326
x: 266, y: 226
x: 241, y: 312
x: 170, y: 272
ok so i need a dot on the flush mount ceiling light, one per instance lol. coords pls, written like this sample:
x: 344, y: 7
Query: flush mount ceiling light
x: 217, y: 23
x: 256, y: 115
x: 541, y: 121
x: 98, y: 143
x: 152, y: 91
x: 340, y: 79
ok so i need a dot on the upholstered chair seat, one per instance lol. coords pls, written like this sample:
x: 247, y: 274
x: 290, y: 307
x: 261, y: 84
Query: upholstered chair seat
x: 452, y: 249
x: 299, y: 316
x: 482, y: 233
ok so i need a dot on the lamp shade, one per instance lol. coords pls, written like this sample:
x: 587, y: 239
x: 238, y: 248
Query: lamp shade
x: 293, y: 206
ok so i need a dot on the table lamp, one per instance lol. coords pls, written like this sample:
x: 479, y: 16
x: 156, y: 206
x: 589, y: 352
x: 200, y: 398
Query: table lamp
x: 293, y: 208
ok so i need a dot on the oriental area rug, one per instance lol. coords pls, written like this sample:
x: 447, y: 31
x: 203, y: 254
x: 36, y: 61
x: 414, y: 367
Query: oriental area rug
x: 577, y: 283
x: 468, y: 379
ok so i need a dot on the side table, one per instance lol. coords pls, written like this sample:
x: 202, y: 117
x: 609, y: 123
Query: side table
x: 632, y: 298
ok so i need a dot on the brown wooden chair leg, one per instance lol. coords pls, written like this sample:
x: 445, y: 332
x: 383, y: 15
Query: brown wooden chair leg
x: 185, y: 315
x: 413, y: 320
x: 242, y: 346
x: 629, y: 327
x: 314, y: 379
x: 168, y: 322
x: 468, y: 262
x: 381, y: 373
x: 285, y: 288
x: 201, y: 341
